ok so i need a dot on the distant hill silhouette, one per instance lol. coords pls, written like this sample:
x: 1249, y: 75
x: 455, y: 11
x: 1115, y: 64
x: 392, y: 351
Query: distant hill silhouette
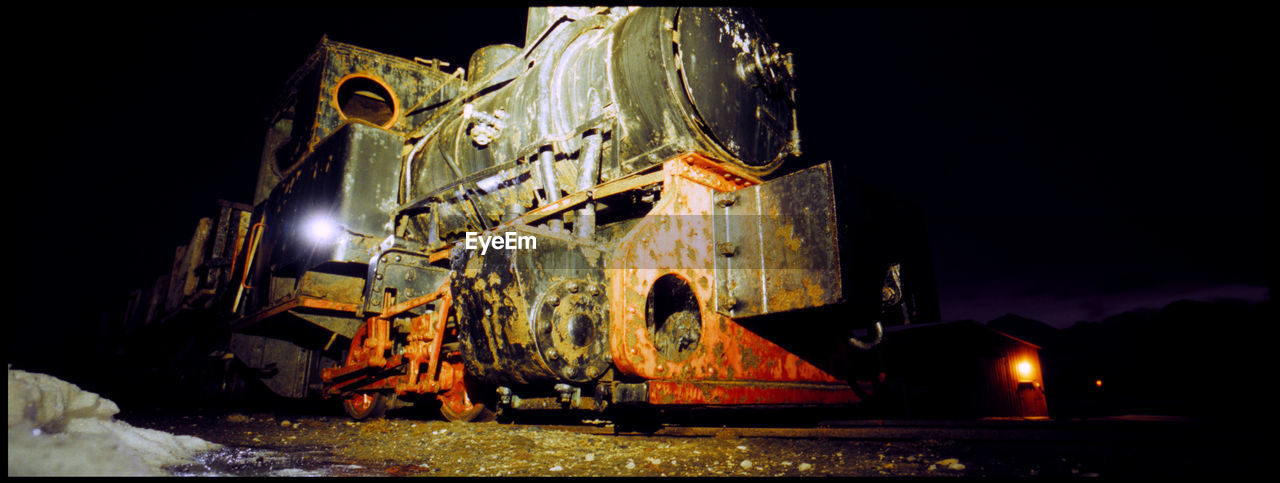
x: 1187, y: 358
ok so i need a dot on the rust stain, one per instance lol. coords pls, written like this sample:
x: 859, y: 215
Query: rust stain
x: 787, y: 234
x: 749, y: 358
x: 814, y: 290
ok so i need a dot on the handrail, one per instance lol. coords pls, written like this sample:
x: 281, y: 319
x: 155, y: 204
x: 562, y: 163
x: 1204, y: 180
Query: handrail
x: 255, y: 235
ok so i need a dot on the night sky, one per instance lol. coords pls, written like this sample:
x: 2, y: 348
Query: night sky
x: 1072, y: 164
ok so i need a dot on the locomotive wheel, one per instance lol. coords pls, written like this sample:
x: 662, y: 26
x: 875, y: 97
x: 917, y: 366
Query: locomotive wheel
x: 465, y: 402
x: 357, y: 353
x: 364, y: 405
x: 361, y: 406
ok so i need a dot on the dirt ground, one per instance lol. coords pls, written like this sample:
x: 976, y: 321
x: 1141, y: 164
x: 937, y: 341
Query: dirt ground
x: 425, y: 448
x: 313, y: 444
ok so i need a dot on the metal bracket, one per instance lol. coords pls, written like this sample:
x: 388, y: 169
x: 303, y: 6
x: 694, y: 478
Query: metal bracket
x: 403, y: 267
x: 774, y: 254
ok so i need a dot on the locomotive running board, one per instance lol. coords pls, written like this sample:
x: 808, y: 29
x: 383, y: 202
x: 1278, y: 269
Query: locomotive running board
x: 724, y: 393
x: 295, y: 303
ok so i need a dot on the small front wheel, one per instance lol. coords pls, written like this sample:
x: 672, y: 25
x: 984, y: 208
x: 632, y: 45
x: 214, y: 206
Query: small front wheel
x: 467, y: 402
x: 361, y: 406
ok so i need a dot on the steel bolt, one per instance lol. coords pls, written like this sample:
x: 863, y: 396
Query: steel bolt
x: 572, y: 286
x: 593, y: 290
x: 728, y: 249
x: 553, y: 354
x: 729, y: 303
x: 553, y: 301
x: 397, y: 258
x: 726, y: 199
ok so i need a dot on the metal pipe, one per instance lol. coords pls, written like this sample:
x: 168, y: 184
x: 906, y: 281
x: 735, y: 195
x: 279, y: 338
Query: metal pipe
x: 513, y: 211
x: 433, y: 226
x: 405, y: 195
x: 584, y: 223
x: 547, y: 168
x: 482, y: 84
x: 590, y: 170
x: 456, y: 75
x: 254, y: 238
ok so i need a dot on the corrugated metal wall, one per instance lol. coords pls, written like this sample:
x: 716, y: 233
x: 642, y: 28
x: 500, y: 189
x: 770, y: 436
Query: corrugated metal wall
x: 962, y: 370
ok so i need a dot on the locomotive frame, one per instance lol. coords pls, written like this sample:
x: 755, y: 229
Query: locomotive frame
x: 649, y: 194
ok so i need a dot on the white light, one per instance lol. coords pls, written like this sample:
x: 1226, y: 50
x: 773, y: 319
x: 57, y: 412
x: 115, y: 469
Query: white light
x: 1024, y: 369
x: 322, y: 230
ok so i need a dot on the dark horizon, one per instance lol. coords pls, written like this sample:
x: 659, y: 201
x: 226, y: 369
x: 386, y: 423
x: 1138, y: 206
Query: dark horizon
x: 1071, y: 164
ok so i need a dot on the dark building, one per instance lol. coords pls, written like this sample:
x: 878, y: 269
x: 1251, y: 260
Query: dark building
x: 962, y: 370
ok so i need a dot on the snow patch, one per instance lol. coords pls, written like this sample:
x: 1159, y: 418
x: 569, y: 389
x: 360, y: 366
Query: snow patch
x: 57, y: 429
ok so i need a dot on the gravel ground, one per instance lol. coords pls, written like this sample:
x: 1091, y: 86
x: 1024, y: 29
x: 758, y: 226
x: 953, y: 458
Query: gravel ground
x: 283, y: 444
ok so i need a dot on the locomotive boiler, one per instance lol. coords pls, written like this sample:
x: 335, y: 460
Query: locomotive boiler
x: 613, y: 215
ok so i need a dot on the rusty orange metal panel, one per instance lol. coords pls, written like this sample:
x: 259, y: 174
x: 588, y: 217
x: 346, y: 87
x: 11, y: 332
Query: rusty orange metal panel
x: 702, y: 170
x: 676, y: 239
x: 698, y: 393
x: 314, y: 303
x: 331, y: 373
x: 407, y: 305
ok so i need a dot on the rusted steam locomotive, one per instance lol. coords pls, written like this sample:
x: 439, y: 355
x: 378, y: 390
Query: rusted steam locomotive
x: 613, y: 215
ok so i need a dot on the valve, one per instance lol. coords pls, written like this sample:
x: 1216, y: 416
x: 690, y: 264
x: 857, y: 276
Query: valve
x: 486, y: 127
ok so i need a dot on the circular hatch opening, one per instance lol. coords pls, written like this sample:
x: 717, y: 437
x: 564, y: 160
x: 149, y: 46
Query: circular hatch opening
x: 366, y: 99
x: 673, y: 317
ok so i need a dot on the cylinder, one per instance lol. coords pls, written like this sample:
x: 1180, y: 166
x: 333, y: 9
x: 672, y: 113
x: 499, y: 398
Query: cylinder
x: 488, y: 59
